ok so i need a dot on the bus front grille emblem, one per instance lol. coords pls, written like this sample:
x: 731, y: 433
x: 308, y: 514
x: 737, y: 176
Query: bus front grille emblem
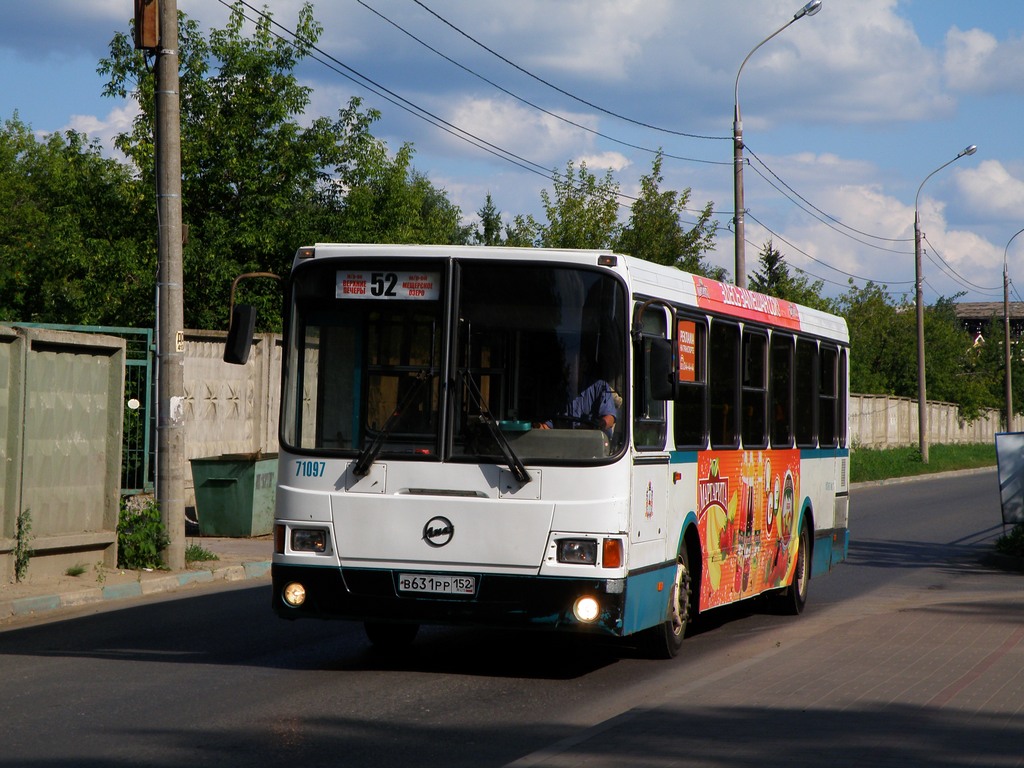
x: 438, y: 531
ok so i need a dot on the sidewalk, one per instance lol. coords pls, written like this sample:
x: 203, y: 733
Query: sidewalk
x: 237, y: 560
x: 924, y: 677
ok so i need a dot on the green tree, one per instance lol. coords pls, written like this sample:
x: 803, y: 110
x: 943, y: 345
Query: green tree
x: 951, y: 371
x: 655, y: 231
x: 775, y: 279
x: 523, y: 232
x: 989, y: 367
x: 257, y: 179
x: 489, y: 231
x: 883, y: 357
x: 882, y: 342
x: 583, y: 213
x: 392, y: 203
x: 72, y: 246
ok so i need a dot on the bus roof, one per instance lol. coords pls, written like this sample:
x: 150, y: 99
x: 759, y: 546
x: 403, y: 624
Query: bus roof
x: 645, y: 278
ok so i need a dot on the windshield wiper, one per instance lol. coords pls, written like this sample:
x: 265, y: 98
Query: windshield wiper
x: 369, y: 453
x: 515, y: 465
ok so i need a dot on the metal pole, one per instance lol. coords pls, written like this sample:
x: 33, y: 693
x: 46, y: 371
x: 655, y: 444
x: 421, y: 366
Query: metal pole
x: 922, y: 402
x: 170, y: 487
x: 1006, y: 334
x: 740, y: 279
x: 737, y: 188
x: 1006, y: 345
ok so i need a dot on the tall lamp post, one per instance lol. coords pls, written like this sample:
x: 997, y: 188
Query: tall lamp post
x: 737, y: 147
x: 922, y: 408
x: 1006, y: 332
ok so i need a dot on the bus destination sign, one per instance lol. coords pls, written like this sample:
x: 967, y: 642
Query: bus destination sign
x: 424, y: 286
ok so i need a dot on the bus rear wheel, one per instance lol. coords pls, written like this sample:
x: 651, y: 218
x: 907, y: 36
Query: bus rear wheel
x: 390, y: 636
x: 791, y: 600
x: 665, y: 640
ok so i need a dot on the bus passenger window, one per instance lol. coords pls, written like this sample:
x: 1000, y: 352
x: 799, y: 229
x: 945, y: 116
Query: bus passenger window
x: 828, y: 396
x: 690, y: 428
x: 843, y: 398
x: 806, y: 393
x: 724, y: 384
x: 782, y: 390
x: 755, y: 390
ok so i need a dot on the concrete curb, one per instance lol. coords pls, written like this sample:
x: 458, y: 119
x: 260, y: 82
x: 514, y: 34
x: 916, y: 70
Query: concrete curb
x: 922, y: 476
x: 146, y: 584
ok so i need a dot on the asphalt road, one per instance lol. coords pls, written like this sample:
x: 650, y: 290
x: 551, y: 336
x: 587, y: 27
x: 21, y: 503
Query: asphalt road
x: 217, y: 680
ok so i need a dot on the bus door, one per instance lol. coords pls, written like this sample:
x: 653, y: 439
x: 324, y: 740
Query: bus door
x: 651, y: 471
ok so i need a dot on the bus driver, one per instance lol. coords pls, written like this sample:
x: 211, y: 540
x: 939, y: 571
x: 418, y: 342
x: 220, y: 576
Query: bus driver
x: 597, y: 405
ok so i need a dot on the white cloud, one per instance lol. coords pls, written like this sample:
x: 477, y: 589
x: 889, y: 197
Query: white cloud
x: 602, y: 39
x: 537, y: 137
x: 118, y: 120
x: 613, y: 161
x: 976, y: 61
x: 991, y: 191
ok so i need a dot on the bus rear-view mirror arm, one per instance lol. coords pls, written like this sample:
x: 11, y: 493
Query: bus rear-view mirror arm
x: 242, y: 323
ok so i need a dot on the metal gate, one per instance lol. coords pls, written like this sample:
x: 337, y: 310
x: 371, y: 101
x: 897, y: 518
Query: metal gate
x: 138, y: 462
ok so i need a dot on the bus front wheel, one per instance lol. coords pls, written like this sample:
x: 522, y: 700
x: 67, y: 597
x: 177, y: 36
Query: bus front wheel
x: 665, y: 640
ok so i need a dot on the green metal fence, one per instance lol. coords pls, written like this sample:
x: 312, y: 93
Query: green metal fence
x: 138, y: 462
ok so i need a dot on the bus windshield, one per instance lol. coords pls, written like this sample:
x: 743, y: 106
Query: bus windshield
x: 457, y: 360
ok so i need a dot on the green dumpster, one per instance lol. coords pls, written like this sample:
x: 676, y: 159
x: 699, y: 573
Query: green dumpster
x: 235, y: 494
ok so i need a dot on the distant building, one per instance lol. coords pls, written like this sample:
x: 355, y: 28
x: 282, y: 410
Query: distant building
x: 975, y: 317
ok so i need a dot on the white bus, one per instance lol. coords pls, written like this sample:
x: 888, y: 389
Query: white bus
x: 558, y: 439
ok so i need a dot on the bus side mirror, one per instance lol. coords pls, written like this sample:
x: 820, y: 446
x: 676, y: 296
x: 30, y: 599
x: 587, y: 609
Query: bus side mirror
x: 243, y: 325
x: 660, y: 370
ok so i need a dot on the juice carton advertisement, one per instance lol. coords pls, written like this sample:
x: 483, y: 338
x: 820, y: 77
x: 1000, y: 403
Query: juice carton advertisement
x: 746, y: 502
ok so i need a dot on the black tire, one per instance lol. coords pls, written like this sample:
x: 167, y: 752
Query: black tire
x: 665, y: 640
x: 792, y: 599
x: 390, y: 636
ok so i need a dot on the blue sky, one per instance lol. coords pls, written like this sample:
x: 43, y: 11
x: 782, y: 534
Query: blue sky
x: 845, y: 113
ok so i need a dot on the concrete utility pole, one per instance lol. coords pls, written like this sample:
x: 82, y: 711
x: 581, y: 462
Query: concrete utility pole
x: 740, y: 279
x: 170, y: 486
x: 1008, y: 354
x: 922, y: 391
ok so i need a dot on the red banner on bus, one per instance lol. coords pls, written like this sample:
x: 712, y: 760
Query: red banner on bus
x: 745, y: 304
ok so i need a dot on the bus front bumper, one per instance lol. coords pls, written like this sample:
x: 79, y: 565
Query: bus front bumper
x: 499, y: 600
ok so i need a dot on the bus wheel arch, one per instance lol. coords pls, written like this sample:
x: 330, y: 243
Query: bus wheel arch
x: 792, y: 599
x: 666, y: 639
x: 691, y: 544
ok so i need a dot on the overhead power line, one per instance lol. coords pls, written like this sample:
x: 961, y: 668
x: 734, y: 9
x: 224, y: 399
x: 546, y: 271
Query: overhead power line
x: 531, y: 104
x: 945, y: 265
x: 562, y: 91
x: 823, y: 213
x: 819, y: 261
x: 390, y: 96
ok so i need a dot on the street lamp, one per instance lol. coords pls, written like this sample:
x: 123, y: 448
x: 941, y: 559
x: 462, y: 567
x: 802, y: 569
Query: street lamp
x: 922, y: 408
x: 1006, y: 333
x: 737, y: 147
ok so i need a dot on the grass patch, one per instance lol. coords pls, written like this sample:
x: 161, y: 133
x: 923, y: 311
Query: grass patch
x: 867, y: 464
x: 196, y: 553
x: 75, y: 570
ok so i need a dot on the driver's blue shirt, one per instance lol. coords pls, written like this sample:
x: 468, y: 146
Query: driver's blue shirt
x: 593, y: 403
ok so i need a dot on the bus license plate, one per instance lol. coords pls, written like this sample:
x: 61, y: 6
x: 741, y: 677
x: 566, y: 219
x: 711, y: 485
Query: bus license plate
x: 437, y: 583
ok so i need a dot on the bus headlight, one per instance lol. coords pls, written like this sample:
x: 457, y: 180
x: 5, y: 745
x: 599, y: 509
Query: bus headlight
x: 294, y: 594
x: 309, y: 540
x: 586, y: 609
x: 579, y: 551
